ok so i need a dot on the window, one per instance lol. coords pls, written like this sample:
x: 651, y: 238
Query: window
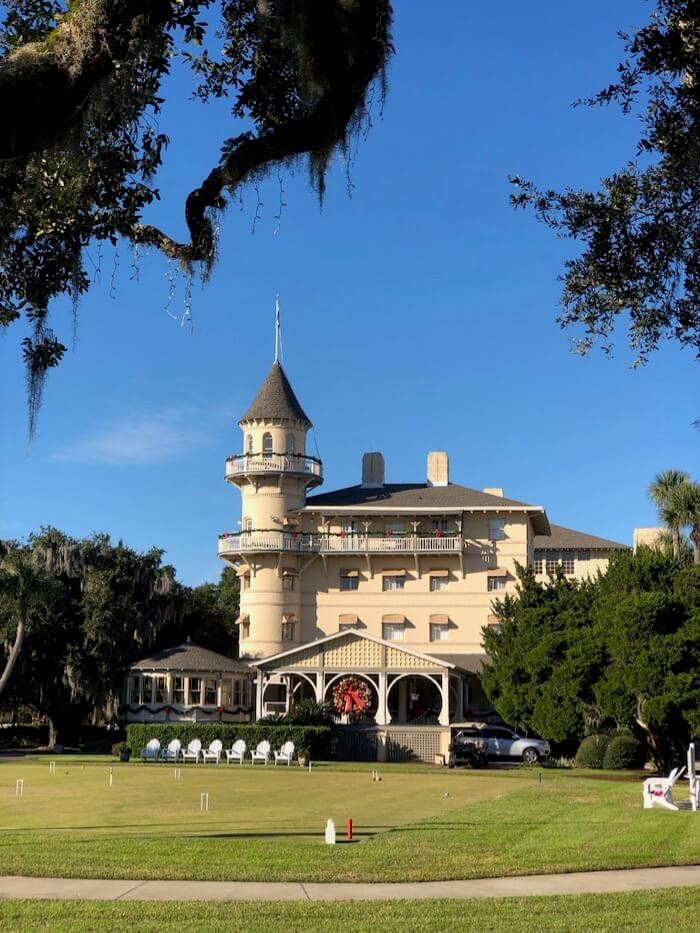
x: 391, y: 583
x: 267, y: 444
x: 290, y: 445
x: 493, y: 622
x: 437, y: 584
x: 249, y: 443
x: 209, y: 692
x: 538, y: 563
x: 241, y: 693
x: 146, y: 689
x: 134, y: 684
x: 439, y: 631
x: 289, y: 583
x: 348, y: 527
x: 440, y: 526
x: 393, y: 631
x: 347, y: 626
x: 161, y: 689
x: 195, y: 691
x: 497, y: 529
x: 567, y: 563
x: 395, y: 528
x: 288, y: 631
x: 496, y: 583
x: 349, y: 579
x: 247, y: 524
x: 244, y: 630
x: 552, y: 561
x: 245, y: 581
x: 584, y: 555
x: 178, y: 690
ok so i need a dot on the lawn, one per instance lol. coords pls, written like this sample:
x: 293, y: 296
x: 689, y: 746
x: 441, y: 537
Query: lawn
x: 674, y: 909
x: 266, y: 824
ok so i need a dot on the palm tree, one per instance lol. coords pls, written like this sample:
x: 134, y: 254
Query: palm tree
x: 22, y: 585
x: 661, y: 492
x: 686, y: 503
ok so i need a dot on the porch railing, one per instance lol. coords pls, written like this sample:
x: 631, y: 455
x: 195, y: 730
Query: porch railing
x: 237, y: 542
x: 239, y: 465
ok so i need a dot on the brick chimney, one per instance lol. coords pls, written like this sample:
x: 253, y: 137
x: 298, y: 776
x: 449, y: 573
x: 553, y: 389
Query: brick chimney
x: 438, y: 468
x: 372, y: 470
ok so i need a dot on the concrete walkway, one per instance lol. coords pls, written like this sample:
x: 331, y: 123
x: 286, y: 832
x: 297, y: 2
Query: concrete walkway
x: 582, y: 882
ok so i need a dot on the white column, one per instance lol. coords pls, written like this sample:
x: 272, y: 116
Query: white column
x: 319, y: 686
x: 381, y: 717
x: 259, y: 696
x: 444, y: 718
x: 287, y: 679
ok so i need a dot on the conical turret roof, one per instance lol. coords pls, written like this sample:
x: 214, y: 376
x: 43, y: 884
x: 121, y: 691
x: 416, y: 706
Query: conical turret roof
x: 276, y: 400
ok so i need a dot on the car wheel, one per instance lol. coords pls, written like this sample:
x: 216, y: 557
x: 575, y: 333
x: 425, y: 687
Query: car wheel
x: 531, y: 756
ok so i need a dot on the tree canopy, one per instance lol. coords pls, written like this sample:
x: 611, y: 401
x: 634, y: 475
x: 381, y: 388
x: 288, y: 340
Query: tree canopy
x: 621, y: 651
x: 80, y: 92
x: 640, y: 232
x: 88, y: 609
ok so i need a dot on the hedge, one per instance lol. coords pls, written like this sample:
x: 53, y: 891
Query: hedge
x: 591, y: 751
x: 624, y: 752
x: 314, y: 738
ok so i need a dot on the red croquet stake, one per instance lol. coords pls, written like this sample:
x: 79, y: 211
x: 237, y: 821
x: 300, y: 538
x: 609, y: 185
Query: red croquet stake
x: 349, y: 830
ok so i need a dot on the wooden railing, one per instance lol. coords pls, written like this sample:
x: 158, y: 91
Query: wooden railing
x: 238, y: 542
x: 273, y: 463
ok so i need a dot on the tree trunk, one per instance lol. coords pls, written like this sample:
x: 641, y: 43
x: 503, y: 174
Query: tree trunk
x: 14, y: 654
x: 676, y: 539
x: 695, y: 538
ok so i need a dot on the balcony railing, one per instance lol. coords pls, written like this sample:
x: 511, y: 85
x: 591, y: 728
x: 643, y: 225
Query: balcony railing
x: 239, y: 465
x: 236, y: 543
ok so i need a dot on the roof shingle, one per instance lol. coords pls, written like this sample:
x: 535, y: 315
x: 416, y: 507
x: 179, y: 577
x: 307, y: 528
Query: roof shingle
x: 276, y: 400
x: 189, y: 657
x: 568, y: 539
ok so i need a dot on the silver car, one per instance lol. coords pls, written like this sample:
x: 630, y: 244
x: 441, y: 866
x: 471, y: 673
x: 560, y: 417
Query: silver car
x: 503, y: 744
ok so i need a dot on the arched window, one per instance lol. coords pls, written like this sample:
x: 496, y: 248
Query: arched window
x: 247, y: 524
x: 249, y: 443
x: 267, y: 444
x: 290, y: 444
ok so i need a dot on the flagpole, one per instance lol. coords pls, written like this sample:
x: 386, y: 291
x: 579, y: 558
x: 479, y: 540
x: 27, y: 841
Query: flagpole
x: 277, y: 328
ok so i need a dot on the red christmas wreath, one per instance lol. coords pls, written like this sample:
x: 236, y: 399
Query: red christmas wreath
x: 351, y: 695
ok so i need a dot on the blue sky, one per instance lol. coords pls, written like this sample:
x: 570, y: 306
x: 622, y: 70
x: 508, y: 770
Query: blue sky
x: 418, y: 314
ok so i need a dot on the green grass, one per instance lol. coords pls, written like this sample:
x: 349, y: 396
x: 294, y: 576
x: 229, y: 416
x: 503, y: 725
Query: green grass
x: 672, y: 909
x: 267, y: 824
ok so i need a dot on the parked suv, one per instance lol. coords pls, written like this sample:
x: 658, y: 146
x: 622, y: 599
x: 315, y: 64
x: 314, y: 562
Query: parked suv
x: 503, y: 743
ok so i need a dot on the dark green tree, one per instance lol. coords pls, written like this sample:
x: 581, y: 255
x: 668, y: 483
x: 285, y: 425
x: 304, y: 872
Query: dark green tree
x: 640, y: 232
x: 208, y: 617
x: 80, y: 97
x: 621, y: 651
x: 103, y: 610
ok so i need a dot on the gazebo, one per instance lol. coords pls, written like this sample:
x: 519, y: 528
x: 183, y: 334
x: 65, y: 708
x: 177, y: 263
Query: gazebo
x: 188, y: 683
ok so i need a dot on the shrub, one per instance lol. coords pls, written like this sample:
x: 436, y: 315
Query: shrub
x: 591, y: 751
x: 624, y: 752
x: 29, y: 736
x: 314, y: 738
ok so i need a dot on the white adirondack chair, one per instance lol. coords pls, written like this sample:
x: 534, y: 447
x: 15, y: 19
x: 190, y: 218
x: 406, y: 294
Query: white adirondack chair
x: 213, y: 753
x: 151, y: 751
x: 193, y: 751
x: 285, y: 754
x: 236, y: 752
x: 658, y: 791
x: 261, y: 753
x: 172, y: 752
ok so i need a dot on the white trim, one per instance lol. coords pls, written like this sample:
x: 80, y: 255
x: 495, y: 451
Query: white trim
x: 361, y: 509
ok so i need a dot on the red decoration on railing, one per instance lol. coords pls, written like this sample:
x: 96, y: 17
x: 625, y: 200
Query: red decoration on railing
x: 168, y: 710
x: 439, y: 533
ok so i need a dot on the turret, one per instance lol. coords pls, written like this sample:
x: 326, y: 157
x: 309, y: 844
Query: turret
x: 273, y: 473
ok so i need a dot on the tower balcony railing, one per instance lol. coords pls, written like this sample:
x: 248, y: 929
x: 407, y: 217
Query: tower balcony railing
x: 314, y: 543
x: 242, y: 464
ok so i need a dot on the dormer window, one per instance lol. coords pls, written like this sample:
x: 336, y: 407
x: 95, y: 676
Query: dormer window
x: 249, y: 444
x: 267, y: 444
x: 290, y: 445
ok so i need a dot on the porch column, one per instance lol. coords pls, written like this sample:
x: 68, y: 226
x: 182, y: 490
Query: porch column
x: 169, y: 690
x: 460, y: 699
x: 444, y: 718
x: 259, y: 696
x: 381, y: 717
x: 319, y: 686
x: 287, y: 680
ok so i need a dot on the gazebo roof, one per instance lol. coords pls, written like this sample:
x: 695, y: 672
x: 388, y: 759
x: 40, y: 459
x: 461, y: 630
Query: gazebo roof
x: 190, y: 657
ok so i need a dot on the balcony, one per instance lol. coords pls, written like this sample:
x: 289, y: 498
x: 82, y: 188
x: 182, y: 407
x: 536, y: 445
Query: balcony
x: 252, y: 541
x: 240, y: 465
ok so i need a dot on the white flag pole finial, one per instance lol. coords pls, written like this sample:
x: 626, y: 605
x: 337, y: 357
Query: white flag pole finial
x: 278, y: 331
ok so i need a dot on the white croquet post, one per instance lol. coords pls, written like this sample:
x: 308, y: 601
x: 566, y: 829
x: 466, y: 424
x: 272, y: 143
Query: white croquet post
x: 204, y: 801
x: 330, y: 833
x: 178, y: 774
x: 111, y: 777
x: 52, y: 767
x: 19, y: 788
